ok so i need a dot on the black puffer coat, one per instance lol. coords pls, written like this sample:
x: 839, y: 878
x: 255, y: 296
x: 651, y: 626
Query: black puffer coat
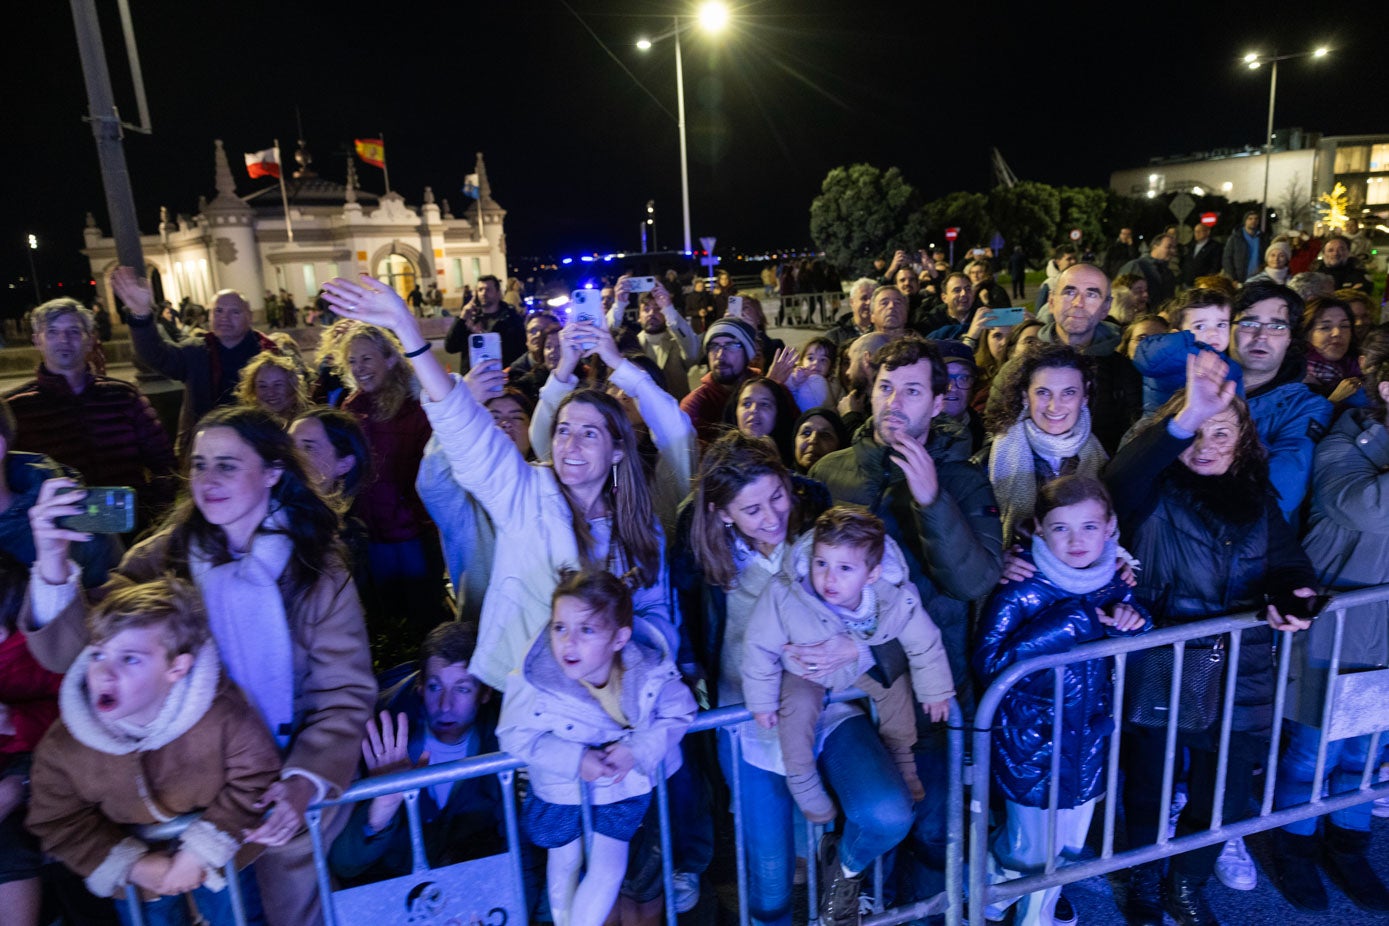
x: 1037, y: 618
x: 1208, y: 545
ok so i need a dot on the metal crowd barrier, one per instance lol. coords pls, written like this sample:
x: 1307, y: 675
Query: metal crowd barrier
x: 803, y: 308
x: 1373, y: 717
x: 505, y: 768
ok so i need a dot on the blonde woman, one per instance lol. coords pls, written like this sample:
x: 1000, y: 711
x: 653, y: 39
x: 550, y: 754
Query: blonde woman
x: 272, y: 383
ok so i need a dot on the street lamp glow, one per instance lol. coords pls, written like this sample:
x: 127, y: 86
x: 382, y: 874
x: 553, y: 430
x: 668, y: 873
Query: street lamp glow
x: 1255, y: 65
x: 1320, y: 52
x: 644, y: 44
x: 713, y: 16
x: 1251, y: 57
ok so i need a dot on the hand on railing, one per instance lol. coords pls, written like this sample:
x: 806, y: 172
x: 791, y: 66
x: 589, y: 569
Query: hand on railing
x: 592, y: 765
x: 149, y: 870
x: 1122, y: 617
x: 1290, y: 621
x: 186, y: 872
x: 765, y: 719
x: 287, y: 800
x: 618, y: 760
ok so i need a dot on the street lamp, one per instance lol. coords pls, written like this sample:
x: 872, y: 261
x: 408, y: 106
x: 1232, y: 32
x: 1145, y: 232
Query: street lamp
x: 33, y: 273
x: 650, y: 224
x: 712, y: 17
x: 1254, y: 61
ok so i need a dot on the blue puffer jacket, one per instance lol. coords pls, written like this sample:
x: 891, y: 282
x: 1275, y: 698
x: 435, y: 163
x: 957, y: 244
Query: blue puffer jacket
x: 1038, y: 618
x: 1291, y: 419
x: 1161, y: 358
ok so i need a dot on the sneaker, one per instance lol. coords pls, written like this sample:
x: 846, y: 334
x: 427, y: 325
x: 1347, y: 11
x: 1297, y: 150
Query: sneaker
x: 1064, y: 914
x: 1235, y: 868
x: 838, y: 893
x: 867, y: 905
x: 686, y: 891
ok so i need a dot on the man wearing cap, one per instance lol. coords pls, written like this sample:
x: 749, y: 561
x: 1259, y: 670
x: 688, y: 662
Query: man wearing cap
x: 961, y: 372
x: 729, y: 348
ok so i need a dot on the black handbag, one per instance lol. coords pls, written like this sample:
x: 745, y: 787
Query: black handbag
x: 1149, y: 686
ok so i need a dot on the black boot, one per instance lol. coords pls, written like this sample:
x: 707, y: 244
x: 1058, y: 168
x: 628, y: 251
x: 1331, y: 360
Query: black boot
x: 1143, y: 905
x: 1185, y: 899
x: 1295, y: 871
x: 1343, y: 856
x: 838, y: 893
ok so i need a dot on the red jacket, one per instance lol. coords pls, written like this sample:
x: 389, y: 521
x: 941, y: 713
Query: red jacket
x: 389, y: 505
x: 108, y: 432
x: 29, y: 691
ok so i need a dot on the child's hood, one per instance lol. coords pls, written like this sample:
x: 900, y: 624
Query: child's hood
x: 187, y: 702
x: 894, y: 564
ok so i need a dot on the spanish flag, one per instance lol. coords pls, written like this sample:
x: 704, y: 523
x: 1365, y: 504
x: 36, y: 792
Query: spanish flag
x: 372, y: 151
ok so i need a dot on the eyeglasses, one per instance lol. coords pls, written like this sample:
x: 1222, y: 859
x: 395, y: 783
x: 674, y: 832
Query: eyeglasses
x: 1272, y: 329
x: 718, y: 347
x: 961, y: 379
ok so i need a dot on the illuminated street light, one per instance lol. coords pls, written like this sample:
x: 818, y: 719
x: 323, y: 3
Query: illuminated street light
x: 33, y: 271
x: 1255, y: 61
x: 712, y: 17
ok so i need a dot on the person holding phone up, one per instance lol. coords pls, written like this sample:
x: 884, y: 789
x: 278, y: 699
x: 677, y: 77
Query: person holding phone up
x: 486, y: 312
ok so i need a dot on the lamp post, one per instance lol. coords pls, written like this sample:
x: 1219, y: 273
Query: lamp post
x: 1254, y: 61
x: 712, y: 17
x: 33, y: 272
x: 650, y: 225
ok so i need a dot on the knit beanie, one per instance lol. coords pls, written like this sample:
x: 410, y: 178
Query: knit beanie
x: 741, y: 331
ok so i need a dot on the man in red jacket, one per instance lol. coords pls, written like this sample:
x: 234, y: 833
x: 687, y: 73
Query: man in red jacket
x: 101, y: 427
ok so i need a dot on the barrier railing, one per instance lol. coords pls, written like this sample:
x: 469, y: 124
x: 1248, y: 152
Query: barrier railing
x: 505, y: 767
x: 803, y: 308
x: 1372, y: 716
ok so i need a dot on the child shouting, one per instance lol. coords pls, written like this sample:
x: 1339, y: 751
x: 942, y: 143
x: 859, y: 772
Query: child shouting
x: 1076, y: 596
x: 1200, y: 321
x: 597, y: 698
x: 844, y: 577
x: 151, y: 729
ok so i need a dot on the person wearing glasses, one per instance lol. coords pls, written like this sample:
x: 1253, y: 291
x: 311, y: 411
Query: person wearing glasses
x: 1288, y: 415
x: 730, y: 344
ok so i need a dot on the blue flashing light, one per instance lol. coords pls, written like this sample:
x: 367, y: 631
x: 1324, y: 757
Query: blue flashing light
x: 588, y: 284
x: 567, y: 260
x: 587, y: 258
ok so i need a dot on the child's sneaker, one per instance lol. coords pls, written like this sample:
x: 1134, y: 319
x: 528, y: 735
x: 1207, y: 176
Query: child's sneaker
x: 812, y: 798
x: 1235, y: 868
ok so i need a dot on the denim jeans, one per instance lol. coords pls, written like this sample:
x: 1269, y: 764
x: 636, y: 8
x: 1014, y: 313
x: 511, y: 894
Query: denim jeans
x: 215, y: 907
x: 919, y: 867
x: 857, y: 769
x: 1345, y: 762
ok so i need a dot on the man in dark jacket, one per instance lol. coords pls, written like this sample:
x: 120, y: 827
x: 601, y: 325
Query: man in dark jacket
x: 1120, y: 252
x: 914, y: 473
x: 437, y: 714
x: 484, y: 314
x: 1202, y: 257
x: 1153, y: 267
x: 1244, y: 250
x: 858, y: 320
x: 210, y: 367
x: 1337, y: 263
x: 102, y: 427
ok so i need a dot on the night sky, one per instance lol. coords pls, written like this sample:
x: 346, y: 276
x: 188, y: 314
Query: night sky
x: 575, y: 146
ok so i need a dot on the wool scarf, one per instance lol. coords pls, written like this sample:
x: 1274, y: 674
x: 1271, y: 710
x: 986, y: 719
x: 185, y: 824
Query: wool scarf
x: 1014, y: 473
x: 1077, y: 580
x: 246, y: 613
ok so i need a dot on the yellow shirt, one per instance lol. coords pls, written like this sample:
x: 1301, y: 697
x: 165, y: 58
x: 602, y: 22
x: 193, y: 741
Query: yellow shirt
x: 609, y: 697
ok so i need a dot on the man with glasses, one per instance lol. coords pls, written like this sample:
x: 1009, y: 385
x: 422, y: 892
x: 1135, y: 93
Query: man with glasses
x: 1078, y: 304
x: 961, y: 373
x: 1289, y: 417
x: 729, y: 347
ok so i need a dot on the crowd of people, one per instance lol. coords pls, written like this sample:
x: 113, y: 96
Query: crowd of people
x: 360, y: 563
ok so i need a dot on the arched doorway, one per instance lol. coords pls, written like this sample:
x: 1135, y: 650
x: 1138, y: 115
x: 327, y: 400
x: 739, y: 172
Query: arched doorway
x: 398, y: 272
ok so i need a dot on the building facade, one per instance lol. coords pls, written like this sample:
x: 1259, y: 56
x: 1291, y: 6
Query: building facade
x: 255, y: 245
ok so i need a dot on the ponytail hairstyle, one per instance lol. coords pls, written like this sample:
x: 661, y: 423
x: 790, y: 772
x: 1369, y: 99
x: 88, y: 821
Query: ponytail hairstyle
x: 730, y: 464
x: 634, y: 518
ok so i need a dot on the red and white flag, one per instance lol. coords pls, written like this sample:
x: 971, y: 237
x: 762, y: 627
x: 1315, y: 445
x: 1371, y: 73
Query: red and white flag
x: 263, y: 164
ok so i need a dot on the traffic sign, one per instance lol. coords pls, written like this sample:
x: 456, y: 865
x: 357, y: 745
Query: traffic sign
x: 1075, y: 234
x: 1181, y: 206
x: 951, y: 234
x: 1209, y: 219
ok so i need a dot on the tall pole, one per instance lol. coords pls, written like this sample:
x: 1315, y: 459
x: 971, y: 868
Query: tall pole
x: 106, y: 128
x: 684, y: 155
x: 1268, y: 146
x: 284, y: 194
x: 33, y: 270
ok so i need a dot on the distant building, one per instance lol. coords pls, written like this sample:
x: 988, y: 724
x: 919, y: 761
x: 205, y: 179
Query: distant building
x: 1304, y: 165
x: 242, y: 243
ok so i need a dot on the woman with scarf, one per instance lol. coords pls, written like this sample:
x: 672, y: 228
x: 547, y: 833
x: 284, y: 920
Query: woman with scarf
x: 261, y: 545
x: 1333, y: 367
x: 1039, y: 431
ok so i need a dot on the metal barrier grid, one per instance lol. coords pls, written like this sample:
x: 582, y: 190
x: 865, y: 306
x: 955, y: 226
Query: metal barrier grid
x: 982, y: 893
x: 949, y: 901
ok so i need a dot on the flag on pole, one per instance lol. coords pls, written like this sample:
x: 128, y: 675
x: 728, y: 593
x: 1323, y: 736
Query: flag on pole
x: 470, y: 189
x: 263, y: 163
x: 372, y: 151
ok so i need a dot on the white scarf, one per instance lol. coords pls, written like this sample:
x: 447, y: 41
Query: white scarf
x: 247, y: 615
x: 1014, y: 474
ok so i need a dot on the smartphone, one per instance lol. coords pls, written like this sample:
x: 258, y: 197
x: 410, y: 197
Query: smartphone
x: 484, y: 347
x: 641, y: 284
x: 586, y: 306
x: 108, y: 510
x: 1003, y: 318
x: 1289, y: 604
x: 735, y: 307
x: 977, y: 252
